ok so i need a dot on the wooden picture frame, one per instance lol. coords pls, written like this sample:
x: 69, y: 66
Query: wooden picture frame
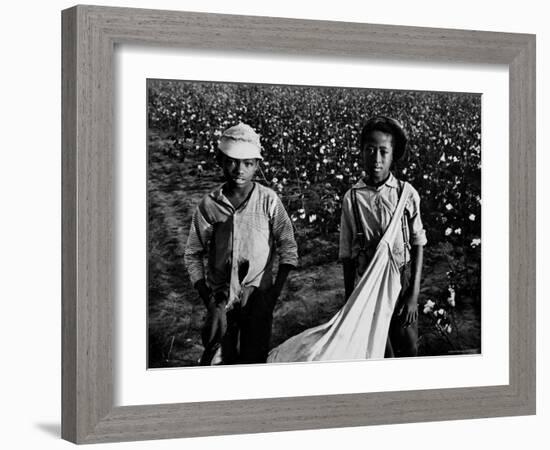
x: 89, y: 37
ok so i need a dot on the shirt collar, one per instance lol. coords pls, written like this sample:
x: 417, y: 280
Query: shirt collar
x: 390, y: 182
x: 217, y: 194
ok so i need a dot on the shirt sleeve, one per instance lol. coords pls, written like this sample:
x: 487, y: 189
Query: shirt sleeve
x: 283, y: 232
x: 346, y: 228
x: 416, y: 229
x: 199, y: 235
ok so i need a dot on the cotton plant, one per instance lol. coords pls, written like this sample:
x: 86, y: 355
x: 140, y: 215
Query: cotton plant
x: 441, y: 312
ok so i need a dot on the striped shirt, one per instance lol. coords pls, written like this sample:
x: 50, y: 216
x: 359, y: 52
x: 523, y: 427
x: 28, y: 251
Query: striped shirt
x: 376, y: 206
x: 239, y: 243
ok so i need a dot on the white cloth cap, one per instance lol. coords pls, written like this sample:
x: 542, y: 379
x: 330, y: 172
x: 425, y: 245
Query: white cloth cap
x: 240, y: 142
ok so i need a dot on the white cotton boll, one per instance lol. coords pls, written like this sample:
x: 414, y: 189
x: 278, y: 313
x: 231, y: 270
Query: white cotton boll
x: 475, y: 242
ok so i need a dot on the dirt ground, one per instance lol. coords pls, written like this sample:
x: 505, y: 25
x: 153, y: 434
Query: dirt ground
x: 314, y: 291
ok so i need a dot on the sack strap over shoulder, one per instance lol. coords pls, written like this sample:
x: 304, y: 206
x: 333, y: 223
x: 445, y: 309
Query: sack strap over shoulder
x: 358, y: 224
x: 404, y: 223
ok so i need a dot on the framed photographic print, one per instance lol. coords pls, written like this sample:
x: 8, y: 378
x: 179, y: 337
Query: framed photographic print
x: 311, y: 157
x: 159, y: 107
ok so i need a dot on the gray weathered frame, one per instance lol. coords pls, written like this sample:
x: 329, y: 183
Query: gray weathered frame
x: 89, y: 36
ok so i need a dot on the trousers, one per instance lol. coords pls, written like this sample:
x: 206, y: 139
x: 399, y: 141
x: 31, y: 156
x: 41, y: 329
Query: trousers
x: 246, y: 340
x: 402, y: 342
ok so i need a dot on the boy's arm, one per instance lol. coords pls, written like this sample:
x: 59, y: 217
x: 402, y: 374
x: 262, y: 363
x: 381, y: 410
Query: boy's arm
x: 194, y: 252
x: 409, y: 303
x: 205, y: 293
x: 280, y: 280
x: 199, y: 235
x: 349, y: 276
x: 416, y: 267
x: 345, y: 246
x: 283, y: 233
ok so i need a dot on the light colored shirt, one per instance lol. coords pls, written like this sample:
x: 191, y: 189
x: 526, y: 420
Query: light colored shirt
x: 239, y: 243
x: 376, y: 206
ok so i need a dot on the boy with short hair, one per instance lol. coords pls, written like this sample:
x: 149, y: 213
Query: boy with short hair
x: 239, y: 226
x: 366, y: 213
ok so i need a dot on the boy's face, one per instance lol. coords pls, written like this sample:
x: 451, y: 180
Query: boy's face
x: 238, y: 172
x: 378, y: 155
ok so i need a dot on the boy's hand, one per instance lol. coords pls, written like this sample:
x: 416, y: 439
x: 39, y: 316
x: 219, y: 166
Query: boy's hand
x: 216, y: 321
x: 216, y: 324
x: 409, y: 310
x: 205, y: 293
x: 272, y: 295
x: 409, y: 303
x: 349, y: 277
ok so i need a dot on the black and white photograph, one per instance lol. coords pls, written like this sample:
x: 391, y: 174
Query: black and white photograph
x: 276, y: 225
x: 295, y: 223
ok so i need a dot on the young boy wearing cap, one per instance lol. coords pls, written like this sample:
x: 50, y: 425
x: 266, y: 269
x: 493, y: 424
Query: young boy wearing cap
x: 367, y: 210
x: 239, y: 227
